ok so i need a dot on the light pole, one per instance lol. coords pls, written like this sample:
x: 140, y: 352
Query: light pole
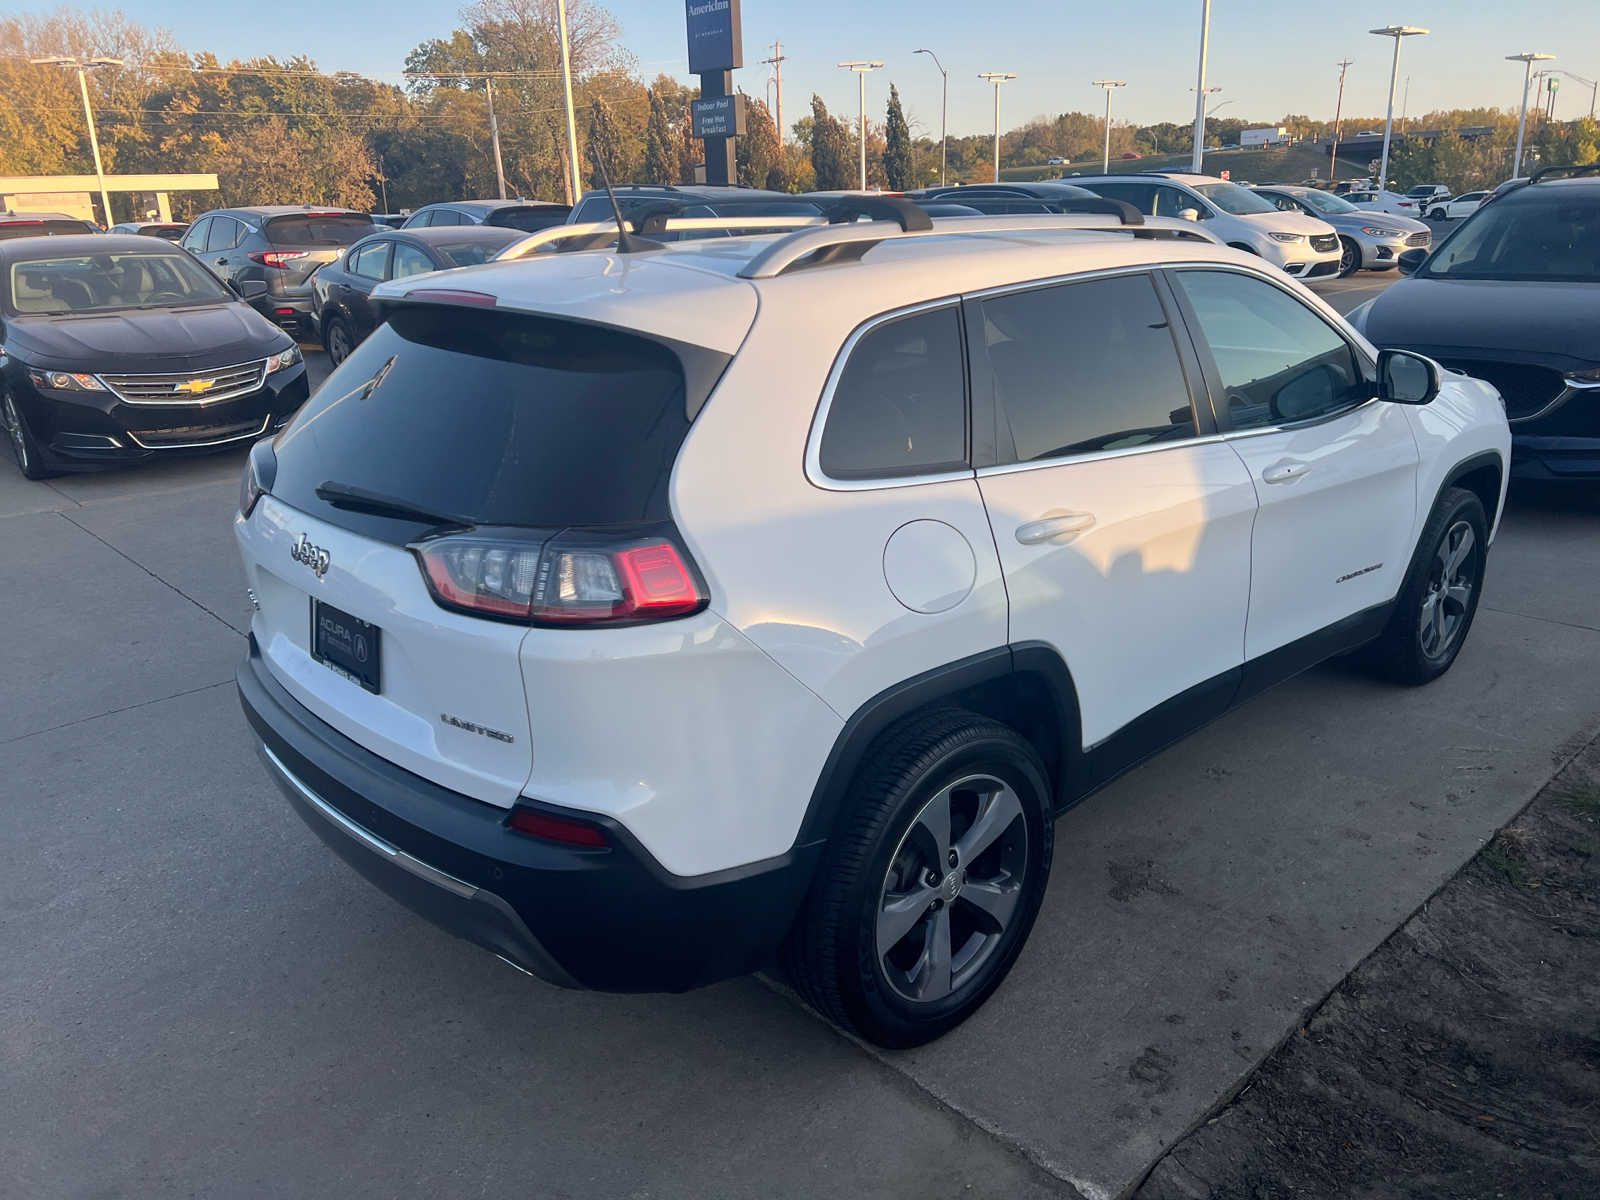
x: 996, y: 78
x: 1201, y: 113
x: 1398, y: 33
x: 566, y: 88
x: 1527, y: 58
x: 1108, y: 84
x: 861, y: 67
x: 1200, y: 90
x: 80, y: 65
x: 1338, y: 111
x: 944, y: 109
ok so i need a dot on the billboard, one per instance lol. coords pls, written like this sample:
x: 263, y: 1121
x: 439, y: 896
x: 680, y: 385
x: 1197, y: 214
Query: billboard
x: 715, y: 40
x: 717, y: 116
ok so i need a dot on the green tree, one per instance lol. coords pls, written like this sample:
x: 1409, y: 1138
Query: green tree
x: 660, y: 155
x: 603, y: 151
x: 757, y: 153
x: 830, y: 149
x: 896, y: 145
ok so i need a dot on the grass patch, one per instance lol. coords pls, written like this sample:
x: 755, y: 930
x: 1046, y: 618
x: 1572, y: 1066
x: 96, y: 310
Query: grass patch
x: 1504, y: 859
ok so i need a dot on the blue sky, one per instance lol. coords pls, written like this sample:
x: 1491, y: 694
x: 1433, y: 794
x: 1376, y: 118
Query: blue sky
x: 1269, y: 58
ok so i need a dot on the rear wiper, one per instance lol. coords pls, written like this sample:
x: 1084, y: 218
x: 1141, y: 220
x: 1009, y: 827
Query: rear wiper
x: 344, y: 495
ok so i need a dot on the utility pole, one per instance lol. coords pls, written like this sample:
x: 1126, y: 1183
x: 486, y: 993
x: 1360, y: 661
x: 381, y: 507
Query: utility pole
x: 997, y: 78
x: 862, y: 67
x: 494, y: 136
x: 1399, y: 33
x: 777, y: 75
x: 1338, y: 111
x: 1200, y: 90
x: 80, y: 65
x: 576, y: 184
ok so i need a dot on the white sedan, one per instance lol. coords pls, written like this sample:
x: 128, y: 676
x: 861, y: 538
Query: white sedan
x: 1374, y: 200
x: 1463, y: 205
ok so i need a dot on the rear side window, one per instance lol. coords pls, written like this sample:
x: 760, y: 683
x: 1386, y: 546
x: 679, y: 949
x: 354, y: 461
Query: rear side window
x: 1084, y: 367
x: 316, y: 229
x: 899, y: 406
x: 497, y: 418
x: 528, y: 220
x: 370, y: 260
x: 224, y: 234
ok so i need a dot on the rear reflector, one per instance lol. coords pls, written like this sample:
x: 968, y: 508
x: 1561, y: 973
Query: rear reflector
x: 567, y: 830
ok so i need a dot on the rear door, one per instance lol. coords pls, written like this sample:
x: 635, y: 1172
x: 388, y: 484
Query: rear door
x: 368, y: 267
x: 1334, y: 469
x: 302, y: 242
x: 1122, y: 528
x: 516, y: 426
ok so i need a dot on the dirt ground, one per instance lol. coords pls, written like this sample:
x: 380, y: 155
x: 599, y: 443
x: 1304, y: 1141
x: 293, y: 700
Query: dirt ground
x: 1462, y: 1059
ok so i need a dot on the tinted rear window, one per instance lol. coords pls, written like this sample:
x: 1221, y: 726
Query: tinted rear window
x: 470, y: 254
x: 313, y: 230
x: 20, y: 229
x: 499, y: 418
x: 528, y: 220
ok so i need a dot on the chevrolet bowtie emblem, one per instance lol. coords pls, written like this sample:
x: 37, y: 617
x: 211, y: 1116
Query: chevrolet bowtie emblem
x: 194, y: 386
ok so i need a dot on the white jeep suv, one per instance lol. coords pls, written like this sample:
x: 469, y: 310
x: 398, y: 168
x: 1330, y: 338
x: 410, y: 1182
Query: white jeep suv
x: 641, y: 615
x: 1300, y: 244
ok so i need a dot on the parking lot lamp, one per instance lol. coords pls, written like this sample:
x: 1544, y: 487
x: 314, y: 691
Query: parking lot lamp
x: 944, y: 109
x: 996, y: 78
x: 1527, y: 58
x: 1200, y: 90
x: 80, y: 65
x: 1397, y: 32
x: 1197, y: 159
x: 862, y: 67
x: 1108, y: 84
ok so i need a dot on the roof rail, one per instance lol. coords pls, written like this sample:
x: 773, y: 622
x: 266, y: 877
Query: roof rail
x: 903, y: 213
x: 847, y: 243
x: 597, y: 235
x: 1569, y: 172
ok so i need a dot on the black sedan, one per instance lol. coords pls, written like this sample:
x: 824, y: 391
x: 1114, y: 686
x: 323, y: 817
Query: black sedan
x: 342, y: 290
x: 119, y: 348
x: 1512, y: 296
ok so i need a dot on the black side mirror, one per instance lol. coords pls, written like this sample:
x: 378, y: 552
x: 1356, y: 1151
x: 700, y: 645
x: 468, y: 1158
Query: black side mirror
x: 1410, y: 260
x: 250, y: 289
x: 1406, y: 378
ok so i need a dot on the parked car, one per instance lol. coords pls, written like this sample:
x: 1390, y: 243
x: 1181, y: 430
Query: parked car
x: 42, y: 224
x: 344, y: 313
x: 1131, y: 154
x: 1426, y: 193
x: 1378, y: 200
x: 171, y: 231
x: 1367, y: 241
x: 529, y: 216
x: 1454, y: 209
x: 637, y: 619
x: 120, y: 348
x: 278, y: 245
x: 1513, y: 296
x: 1302, y: 246
x: 1055, y: 162
x: 389, y: 220
x: 694, y: 200
x: 1514, y: 182
x: 1015, y: 199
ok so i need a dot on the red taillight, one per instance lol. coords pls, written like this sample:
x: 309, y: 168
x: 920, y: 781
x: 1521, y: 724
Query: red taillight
x: 276, y: 258
x: 575, y: 578
x: 566, y: 830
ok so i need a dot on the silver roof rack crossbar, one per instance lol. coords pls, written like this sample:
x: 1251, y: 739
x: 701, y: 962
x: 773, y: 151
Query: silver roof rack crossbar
x: 835, y: 243
x: 596, y: 235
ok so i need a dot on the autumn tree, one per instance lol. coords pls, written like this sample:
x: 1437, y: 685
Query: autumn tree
x: 830, y: 149
x: 660, y: 158
x: 757, y: 153
x: 896, y: 145
x: 602, y: 150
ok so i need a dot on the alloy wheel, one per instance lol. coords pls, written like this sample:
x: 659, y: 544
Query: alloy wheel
x: 19, y: 439
x: 1447, y: 598
x: 1347, y: 258
x: 952, y: 888
x: 338, y: 343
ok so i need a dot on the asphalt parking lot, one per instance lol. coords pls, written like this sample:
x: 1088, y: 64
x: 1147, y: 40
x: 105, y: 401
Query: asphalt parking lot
x: 201, y: 1000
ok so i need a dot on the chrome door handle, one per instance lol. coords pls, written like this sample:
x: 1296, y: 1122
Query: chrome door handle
x: 1050, y: 528
x: 1283, y: 472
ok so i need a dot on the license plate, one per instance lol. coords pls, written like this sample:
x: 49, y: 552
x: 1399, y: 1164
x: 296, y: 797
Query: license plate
x: 346, y: 643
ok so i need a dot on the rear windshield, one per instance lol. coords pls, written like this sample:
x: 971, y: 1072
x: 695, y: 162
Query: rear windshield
x: 528, y: 220
x: 22, y: 229
x: 309, y: 229
x: 470, y: 254
x: 496, y: 418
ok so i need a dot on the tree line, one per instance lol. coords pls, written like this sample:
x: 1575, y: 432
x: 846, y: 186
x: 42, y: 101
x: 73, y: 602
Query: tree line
x: 281, y: 131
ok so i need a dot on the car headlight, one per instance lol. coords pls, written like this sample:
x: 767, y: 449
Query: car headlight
x: 283, y: 360
x: 65, y: 381
x: 1286, y: 237
x: 1379, y: 231
x: 1584, y: 379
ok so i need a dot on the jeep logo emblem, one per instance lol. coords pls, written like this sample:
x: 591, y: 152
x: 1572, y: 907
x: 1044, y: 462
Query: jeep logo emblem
x: 313, y: 556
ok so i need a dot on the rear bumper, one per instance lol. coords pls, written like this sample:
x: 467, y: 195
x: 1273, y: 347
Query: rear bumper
x: 612, y: 919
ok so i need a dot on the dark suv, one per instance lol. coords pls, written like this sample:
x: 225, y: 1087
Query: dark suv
x: 529, y: 216
x: 1010, y: 199
x: 279, y: 245
x: 692, y: 200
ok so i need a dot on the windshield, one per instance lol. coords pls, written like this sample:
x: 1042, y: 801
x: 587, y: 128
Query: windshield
x: 86, y: 283
x: 318, y: 229
x: 1231, y: 198
x: 1550, y: 234
x: 1323, y: 202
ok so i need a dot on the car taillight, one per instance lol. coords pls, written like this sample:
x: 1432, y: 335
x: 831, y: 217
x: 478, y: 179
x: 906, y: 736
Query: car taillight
x: 551, y: 828
x: 276, y: 258
x: 577, y: 578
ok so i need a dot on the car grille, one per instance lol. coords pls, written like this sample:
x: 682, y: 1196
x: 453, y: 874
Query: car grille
x: 1419, y: 239
x: 188, y: 387
x: 1323, y: 242
x: 181, y: 436
x: 1527, y: 389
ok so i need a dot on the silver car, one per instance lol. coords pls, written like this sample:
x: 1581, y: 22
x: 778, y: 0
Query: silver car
x: 1368, y: 240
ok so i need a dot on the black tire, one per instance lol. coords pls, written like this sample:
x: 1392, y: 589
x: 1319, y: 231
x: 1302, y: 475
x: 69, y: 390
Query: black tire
x: 24, y: 448
x: 336, y: 332
x: 1402, y: 652
x: 832, y: 953
x: 1349, y: 257
x: 1439, y: 214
